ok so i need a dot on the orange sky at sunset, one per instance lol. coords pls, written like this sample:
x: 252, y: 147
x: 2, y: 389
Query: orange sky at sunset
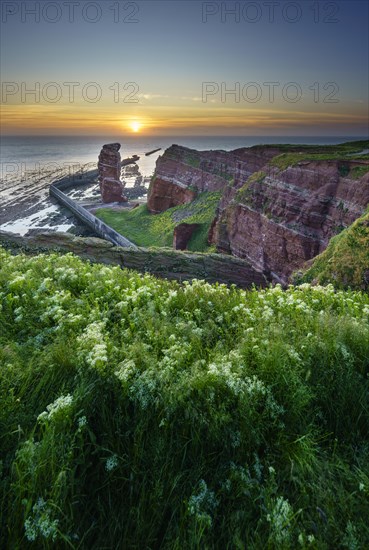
x: 300, y: 72
x: 169, y: 120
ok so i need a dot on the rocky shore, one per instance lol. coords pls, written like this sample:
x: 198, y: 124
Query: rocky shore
x: 26, y: 206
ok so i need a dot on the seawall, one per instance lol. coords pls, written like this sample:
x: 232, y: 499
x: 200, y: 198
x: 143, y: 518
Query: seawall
x: 98, y: 226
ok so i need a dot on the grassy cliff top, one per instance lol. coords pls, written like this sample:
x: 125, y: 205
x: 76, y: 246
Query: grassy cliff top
x: 345, y: 262
x: 290, y: 155
x: 348, y: 147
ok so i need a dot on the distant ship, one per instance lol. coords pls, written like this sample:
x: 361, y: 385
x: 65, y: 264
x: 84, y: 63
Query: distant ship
x: 153, y: 151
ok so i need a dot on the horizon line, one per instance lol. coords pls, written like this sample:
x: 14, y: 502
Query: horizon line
x: 190, y: 135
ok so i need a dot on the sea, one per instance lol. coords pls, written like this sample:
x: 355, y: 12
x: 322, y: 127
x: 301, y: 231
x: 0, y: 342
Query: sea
x: 29, y: 164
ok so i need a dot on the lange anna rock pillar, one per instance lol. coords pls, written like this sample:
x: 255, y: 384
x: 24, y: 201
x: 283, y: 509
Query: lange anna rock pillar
x: 109, y: 166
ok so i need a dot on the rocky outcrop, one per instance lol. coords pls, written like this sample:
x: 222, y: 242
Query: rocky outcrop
x: 111, y: 191
x: 170, y: 264
x: 182, y: 173
x: 109, y: 163
x: 166, y: 195
x: 275, y: 211
x: 182, y: 234
x: 109, y: 167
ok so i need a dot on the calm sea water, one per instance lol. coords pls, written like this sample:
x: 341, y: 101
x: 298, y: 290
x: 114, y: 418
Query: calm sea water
x: 28, y: 153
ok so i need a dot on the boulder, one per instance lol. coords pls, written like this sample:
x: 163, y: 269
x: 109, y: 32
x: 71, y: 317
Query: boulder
x: 182, y: 234
x: 112, y: 191
x: 165, y: 194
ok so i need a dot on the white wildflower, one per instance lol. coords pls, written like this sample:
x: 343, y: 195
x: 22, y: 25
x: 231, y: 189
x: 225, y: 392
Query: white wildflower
x: 62, y: 403
x: 126, y: 369
x: 40, y: 522
x: 280, y: 518
x: 111, y: 463
x: 202, y: 504
x: 82, y: 421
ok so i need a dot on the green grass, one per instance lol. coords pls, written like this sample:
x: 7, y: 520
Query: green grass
x: 243, y: 194
x: 348, y: 147
x: 358, y: 172
x: 360, y: 157
x: 138, y: 413
x: 298, y: 153
x: 190, y: 157
x: 285, y: 160
x: 345, y: 262
x: 146, y: 229
x: 193, y: 161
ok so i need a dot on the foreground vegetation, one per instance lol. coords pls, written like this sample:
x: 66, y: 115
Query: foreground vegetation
x: 146, y: 229
x: 139, y: 413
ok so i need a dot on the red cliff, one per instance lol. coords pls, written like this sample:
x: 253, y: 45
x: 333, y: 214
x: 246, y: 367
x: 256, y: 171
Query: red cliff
x: 277, y: 210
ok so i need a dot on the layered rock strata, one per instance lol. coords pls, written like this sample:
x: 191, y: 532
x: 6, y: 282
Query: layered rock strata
x: 275, y: 214
x: 284, y: 218
x: 182, y: 173
x: 109, y: 167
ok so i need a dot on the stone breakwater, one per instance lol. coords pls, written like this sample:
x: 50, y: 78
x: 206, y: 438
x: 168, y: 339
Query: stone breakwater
x: 109, y: 168
x: 277, y: 215
x: 57, y: 191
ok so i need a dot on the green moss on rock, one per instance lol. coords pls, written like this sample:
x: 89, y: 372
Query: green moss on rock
x: 345, y: 262
x: 244, y: 193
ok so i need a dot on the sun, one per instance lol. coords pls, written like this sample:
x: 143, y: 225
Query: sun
x: 135, y: 126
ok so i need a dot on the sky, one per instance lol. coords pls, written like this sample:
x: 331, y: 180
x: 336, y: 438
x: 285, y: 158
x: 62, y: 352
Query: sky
x: 186, y: 67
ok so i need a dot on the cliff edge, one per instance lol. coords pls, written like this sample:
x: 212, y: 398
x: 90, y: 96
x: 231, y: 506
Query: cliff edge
x: 280, y: 204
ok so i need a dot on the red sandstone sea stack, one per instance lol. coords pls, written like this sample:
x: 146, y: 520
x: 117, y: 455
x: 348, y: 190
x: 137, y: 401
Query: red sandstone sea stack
x: 109, y: 167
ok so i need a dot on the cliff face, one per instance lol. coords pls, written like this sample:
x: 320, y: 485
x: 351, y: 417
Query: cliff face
x: 166, y: 195
x: 345, y: 262
x: 277, y: 211
x: 181, y: 173
x: 281, y: 219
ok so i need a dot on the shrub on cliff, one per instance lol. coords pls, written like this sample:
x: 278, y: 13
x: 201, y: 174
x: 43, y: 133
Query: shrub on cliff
x: 345, y: 262
x: 141, y: 413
